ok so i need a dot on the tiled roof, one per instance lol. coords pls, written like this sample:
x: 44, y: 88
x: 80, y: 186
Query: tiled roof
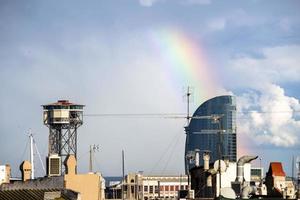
x: 62, y: 103
x: 276, y: 169
x: 34, y: 194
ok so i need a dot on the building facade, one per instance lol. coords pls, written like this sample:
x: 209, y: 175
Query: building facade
x: 205, y: 134
x: 146, y: 187
x: 5, y: 172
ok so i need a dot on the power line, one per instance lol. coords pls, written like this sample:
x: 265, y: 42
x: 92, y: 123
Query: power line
x: 173, y: 114
x: 239, y: 115
x: 133, y: 114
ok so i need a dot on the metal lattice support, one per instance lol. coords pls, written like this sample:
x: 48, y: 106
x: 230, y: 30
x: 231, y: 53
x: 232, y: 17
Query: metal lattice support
x: 63, y: 141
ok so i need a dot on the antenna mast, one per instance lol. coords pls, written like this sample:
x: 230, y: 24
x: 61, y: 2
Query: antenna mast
x: 91, y: 160
x: 31, y: 154
x: 188, y: 94
x: 123, y: 174
x: 93, y: 148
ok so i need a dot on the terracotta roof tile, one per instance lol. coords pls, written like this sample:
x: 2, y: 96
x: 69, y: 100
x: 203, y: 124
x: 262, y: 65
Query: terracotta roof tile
x: 276, y: 169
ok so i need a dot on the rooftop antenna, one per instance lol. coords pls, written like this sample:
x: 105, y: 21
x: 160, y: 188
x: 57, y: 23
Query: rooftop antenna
x: 188, y: 97
x: 32, y: 145
x: 123, y: 173
x: 93, y: 149
x: 31, y: 154
x: 216, y: 119
x: 293, y: 168
x: 298, y: 175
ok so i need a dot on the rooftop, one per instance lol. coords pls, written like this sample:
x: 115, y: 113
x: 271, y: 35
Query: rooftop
x: 276, y: 169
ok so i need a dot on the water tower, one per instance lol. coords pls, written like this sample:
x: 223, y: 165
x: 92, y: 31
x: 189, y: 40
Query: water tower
x: 63, y: 118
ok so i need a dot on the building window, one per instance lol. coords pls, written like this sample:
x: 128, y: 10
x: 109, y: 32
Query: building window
x: 156, y: 189
x: 176, y: 187
x: 166, y: 188
x: 151, y: 189
x: 172, y: 188
x: 161, y: 188
x: 145, y: 188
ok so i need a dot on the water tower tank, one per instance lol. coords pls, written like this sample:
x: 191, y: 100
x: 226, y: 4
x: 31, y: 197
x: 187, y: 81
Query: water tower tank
x: 63, y: 119
x: 63, y: 113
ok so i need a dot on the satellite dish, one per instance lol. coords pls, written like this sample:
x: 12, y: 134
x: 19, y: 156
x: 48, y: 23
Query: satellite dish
x: 228, y: 192
x: 222, y: 167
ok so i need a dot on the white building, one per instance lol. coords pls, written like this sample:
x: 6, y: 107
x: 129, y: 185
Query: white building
x: 163, y: 186
x: 4, y: 173
x: 144, y: 187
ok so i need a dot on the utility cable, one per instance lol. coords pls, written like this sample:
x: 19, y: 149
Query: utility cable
x: 163, y: 154
x: 172, y: 152
x: 39, y: 155
x: 96, y: 161
x: 25, y: 150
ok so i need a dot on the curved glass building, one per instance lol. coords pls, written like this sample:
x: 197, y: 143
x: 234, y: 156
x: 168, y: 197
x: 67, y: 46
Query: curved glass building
x: 205, y: 134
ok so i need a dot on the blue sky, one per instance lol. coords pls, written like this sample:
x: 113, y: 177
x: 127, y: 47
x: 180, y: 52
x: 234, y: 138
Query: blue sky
x: 98, y: 53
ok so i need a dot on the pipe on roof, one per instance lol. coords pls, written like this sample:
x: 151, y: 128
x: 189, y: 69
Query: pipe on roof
x: 240, y: 167
x: 246, y: 191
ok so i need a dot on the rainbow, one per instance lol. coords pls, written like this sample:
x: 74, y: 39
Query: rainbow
x: 185, y: 63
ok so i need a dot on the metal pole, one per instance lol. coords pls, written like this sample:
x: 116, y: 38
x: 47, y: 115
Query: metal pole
x: 220, y: 155
x: 91, y: 160
x: 123, y: 174
x: 188, y: 94
x: 293, y: 164
x: 31, y: 154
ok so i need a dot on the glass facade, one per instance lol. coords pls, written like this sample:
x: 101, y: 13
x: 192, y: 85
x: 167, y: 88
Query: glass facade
x: 206, y: 135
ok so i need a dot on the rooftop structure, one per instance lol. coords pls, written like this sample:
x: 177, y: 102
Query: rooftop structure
x: 38, y: 194
x: 277, y: 183
x: 63, y: 118
x: 90, y: 186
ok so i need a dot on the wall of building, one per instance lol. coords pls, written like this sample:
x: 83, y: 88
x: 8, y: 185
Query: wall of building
x: 143, y: 187
x: 88, y: 185
x: 5, y: 173
x: 2, y: 174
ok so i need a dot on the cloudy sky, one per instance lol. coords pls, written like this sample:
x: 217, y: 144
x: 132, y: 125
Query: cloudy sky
x: 138, y: 56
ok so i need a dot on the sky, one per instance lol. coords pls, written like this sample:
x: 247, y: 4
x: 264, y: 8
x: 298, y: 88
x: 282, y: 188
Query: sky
x: 139, y: 56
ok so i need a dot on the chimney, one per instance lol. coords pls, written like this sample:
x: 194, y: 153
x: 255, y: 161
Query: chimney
x: 7, y: 173
x: 70, y: 165
x: 206, y: 158
x: 25, y: 170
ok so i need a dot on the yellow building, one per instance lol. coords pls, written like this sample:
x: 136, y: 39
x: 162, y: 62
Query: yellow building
x: 88, y: 186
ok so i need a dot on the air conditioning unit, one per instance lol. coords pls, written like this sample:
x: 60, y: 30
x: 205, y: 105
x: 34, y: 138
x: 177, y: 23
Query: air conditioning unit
x: 54, y: 165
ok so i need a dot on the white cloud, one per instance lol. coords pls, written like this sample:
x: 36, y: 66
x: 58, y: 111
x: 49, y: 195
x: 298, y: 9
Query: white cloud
x: 216, y: 24
x: 272, y: 119
x: 199, y: 2
x: 275, y: 121
x: 277, y: 65
x: 285, y: 24
x: 147, y: 3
